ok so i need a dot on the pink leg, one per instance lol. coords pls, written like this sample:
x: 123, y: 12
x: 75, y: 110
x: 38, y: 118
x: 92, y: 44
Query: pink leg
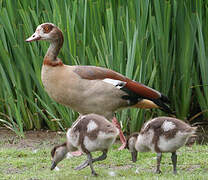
x: 121, y: 135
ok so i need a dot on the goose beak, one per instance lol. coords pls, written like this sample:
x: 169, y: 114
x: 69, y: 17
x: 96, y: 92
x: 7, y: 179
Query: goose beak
x: 34, y: 37
x: 53, y: 165
x: 134, y: 156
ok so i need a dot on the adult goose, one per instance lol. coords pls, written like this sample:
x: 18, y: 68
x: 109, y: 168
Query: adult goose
x: 90, y: 89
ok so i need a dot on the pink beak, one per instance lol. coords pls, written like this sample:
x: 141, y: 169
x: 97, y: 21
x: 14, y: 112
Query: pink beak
x: 34, y: 37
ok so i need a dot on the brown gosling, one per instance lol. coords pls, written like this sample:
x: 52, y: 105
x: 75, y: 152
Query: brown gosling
x: 161, y: 134
x: 88, y: 133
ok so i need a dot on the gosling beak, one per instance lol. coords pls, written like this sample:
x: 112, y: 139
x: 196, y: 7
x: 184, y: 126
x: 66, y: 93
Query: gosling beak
x: 53, y: 165
x: 34, y: 37
x: 134, y: 156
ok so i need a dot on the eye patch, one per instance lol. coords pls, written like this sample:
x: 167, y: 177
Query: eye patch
x: 47, y: 28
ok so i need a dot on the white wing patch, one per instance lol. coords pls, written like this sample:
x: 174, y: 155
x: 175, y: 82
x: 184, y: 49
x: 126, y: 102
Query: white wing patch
x: 118, y: 84
x: 91, y: 126
x: 168, y: 125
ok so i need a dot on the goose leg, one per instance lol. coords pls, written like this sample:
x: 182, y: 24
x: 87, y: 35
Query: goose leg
x: 174, y: 161
x: 86, y: 163
x: 121, y: 135
x: 159, y: 157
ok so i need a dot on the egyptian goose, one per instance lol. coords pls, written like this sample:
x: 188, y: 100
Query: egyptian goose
x: 88, y: 133
x: 90, y: 89
x: 162, y: 134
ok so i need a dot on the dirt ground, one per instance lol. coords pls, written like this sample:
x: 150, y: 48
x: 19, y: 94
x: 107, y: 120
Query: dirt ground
x: 32, y: 140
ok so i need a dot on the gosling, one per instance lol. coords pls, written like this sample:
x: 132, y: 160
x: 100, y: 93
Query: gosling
x: 89, y: 133
x: 161, y: 134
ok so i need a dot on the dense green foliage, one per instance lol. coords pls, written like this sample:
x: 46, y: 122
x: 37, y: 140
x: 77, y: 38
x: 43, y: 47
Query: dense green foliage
x: 162, y: 44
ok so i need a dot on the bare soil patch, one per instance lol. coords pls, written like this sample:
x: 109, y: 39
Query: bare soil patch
x: 32, y: 139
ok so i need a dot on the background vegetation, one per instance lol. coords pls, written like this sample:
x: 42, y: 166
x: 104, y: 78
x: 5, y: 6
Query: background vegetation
x: 162, y: 44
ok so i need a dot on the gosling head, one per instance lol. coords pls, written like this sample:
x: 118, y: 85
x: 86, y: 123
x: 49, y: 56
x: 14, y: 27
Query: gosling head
x: 46, y: 31
x: 58, y: 153
x: 131, y: 141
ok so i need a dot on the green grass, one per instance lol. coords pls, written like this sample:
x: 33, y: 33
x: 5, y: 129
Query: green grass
x: 23, y: 163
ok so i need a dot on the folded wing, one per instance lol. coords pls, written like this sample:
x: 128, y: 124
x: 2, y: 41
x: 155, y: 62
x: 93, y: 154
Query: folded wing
x: 139, y: 95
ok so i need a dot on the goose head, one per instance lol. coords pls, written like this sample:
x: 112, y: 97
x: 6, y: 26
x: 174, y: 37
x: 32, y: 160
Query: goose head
x: 46, y: 31
x: 58, y: 153
x: 131, y: 141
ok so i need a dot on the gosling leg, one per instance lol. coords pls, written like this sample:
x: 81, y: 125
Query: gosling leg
x: 174, y: 161
x: 82, y: 165
x: 159, y: 157
x: 86, y: 163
